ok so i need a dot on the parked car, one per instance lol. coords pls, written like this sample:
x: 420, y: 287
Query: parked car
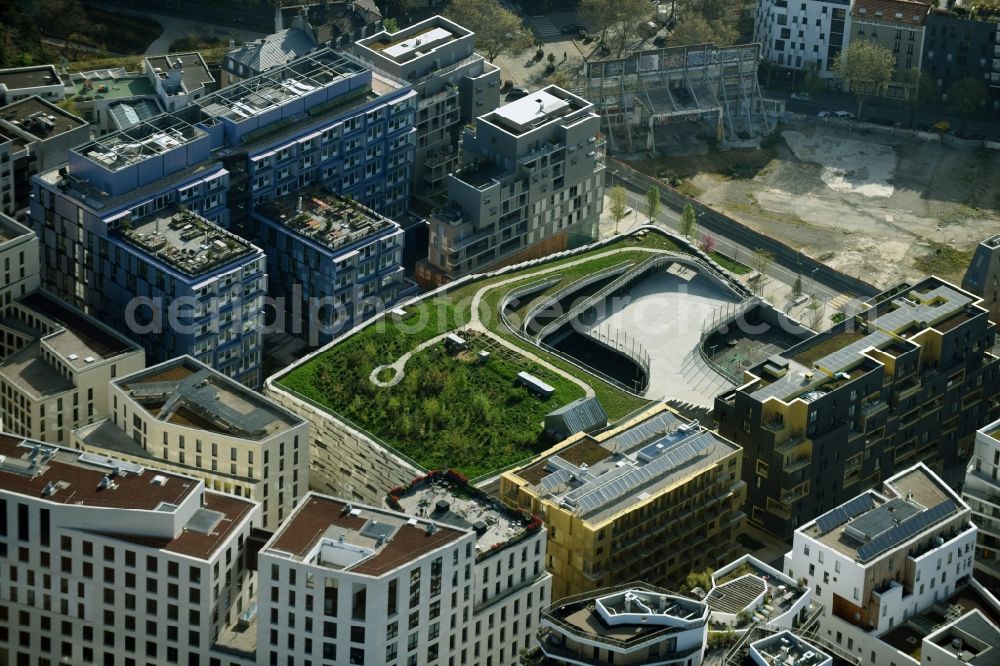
x: 801, y: 97
x: 941, y: 126
x: 517, y: 92
x: 844, y: 115
x: 824, y: 114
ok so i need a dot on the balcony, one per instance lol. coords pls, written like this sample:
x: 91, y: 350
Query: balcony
x: 775, y: 425
x: 794, y: 465
x: 788, y: 446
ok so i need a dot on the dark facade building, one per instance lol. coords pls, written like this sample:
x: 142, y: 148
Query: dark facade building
x: 983, y: 276
x: 957, y: 46
x: 909, y: 379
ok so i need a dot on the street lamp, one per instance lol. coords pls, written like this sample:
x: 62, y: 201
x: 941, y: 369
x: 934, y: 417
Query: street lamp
x: 812, y: 278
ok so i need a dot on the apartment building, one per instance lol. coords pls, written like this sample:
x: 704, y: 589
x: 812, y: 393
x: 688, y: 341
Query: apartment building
x: 332, y: 262
x: 888, y: 564
x: 322, y: 120
x: 17, y: 83
x: 909, y: 378
x: 897, y: 25
x: 56, y: 365
x: 35, y: 136
x: 449, y: 579
x: 960, y: 44
x: 178, y: 78
x: 532, y: 184
x: 652, y: 500
x: 114, y: 99
x: 982, y: 492
x: 184, y: 417
x: 803, y: 34
x: 786, y: 647
x: 454, y: 83
x: 105, y: 562
x: 18, y: 261
x: 632, y: 625
x: 983, y: 275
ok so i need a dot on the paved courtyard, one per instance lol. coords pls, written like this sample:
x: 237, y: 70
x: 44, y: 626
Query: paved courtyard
x: 665, y: 314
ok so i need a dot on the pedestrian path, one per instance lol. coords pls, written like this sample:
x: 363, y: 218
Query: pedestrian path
x: 544, y: 27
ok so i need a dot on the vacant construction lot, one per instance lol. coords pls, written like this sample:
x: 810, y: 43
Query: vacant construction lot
x: 884, y: 208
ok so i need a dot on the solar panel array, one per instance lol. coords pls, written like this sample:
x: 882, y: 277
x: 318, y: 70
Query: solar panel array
x: 634, y: 478
x: 555, y: 479
x: 643, y: 432
x: 904, y: 530
x: 831, y: 520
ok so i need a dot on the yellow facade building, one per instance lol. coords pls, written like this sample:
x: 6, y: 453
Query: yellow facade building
x: 649, y: 500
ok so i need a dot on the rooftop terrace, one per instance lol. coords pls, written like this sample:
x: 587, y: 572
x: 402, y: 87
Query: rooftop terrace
x: 29, y: 77
x: 596, y: 478
x: 888, y: 326
x: 415, y: 41
x: 785, y: 648
x: 450, y: 500
x: 914, y: 502
x: 336, y: 535
x: 185, y: 241
x: 187, y: 393
x: 97, y: 87
x: 329, y: 219
x: 11, y: 228
x: 40, y: 118
x: 627, y: 615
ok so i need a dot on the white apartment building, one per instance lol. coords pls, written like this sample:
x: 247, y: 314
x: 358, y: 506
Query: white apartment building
x: 56, y: 366
x: 803, y: 34
x: 105, y: 562
x: 982, y: 492
x: 881, y: 561
x: 637, y: 625
x: 183, y: 416
x: 18, y: 260
x: 345, y: 583
x: 17, y: 83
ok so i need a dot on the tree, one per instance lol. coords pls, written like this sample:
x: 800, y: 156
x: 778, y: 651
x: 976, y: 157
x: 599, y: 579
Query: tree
x: 618, y: 205
x: 761, y: 262
x: 707, y: 243
x: 920, y: 89
x: 390, y: 25
x: 498, y: 30
x: 620, y: 18
x: 652, y: 203
x: 817, y: 309
x: 689, y: 220
x: 694, y: 28
x: 797, y: 287
x: 966, y: 96
x: 866, y: 68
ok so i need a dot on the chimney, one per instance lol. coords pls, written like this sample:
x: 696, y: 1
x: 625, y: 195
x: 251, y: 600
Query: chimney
x: 278, y: 21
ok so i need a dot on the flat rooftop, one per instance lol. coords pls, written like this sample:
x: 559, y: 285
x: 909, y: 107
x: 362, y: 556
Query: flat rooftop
x: 97, y: 87
x: 452, y: 503
x: 932, y: 304
x: 188, y: 393
x: 631, y: 615
x: 80, y: 335
x: 18, y: 78
x: 28, y: 467
x: 186, y: 242
x: 40, y: 118
x: 971, y: 639
x: 194, y: 73
x: 331, y: 220
x: 11, y: 229
x: 124, y: 148
x: 941, y: 619
x: 786, y: 648
x: 209, y: 527
x: 415, y: 41
x: 337, y: 535
x: 550, y: 104
x: 913, y: 502
x: 279, y: 86
x: 598, y: 478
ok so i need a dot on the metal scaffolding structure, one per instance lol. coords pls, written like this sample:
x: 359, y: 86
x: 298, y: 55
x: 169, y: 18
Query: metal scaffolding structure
x: 646, y: 89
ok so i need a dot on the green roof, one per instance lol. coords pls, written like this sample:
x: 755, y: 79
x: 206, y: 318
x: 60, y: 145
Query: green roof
x: 123, y: 88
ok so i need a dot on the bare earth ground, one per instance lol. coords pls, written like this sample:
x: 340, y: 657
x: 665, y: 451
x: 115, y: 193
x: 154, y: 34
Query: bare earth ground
x: 884, y: 208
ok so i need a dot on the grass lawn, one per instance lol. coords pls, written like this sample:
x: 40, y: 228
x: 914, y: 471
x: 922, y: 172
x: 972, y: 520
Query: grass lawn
x: 730, y: 265
x: 944, y: 261
x: 448, y: 411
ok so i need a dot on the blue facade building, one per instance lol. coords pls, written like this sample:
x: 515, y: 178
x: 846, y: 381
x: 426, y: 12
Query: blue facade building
x: 333, y: 262
x: 323, y: 120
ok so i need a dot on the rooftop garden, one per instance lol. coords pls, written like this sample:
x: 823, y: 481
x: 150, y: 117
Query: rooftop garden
x: 831, y: 344
x: 451, y: 409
